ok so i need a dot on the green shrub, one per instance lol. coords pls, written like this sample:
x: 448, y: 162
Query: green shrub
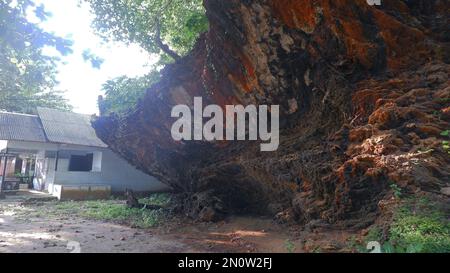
x: 418, y: 226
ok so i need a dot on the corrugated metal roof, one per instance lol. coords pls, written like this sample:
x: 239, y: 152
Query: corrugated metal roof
x: 23, y: 127
x: 68, y: 127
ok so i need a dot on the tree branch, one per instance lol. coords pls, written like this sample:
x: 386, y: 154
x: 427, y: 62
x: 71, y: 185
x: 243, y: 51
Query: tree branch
x: 162, y: 45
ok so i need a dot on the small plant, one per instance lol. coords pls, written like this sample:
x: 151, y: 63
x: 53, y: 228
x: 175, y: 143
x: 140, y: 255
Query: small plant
x: 396, y: 190
x: 290, y: 246
x: 446, y: 146
x: 445, y: 133
x: 445, y: 143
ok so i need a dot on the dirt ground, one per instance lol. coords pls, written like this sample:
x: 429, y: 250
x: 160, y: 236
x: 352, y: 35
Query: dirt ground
x: 29, y: 228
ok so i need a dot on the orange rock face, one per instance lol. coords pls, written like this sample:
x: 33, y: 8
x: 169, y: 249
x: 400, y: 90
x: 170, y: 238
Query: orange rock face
x: 363, y: 94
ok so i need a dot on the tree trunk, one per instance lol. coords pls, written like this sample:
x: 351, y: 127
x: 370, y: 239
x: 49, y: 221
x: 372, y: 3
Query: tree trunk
x: 342, y: 77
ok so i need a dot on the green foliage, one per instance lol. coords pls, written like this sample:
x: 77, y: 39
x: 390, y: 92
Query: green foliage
x: 159, y: 26
x: 396, y: 190
x: 27, y: 77
x: 122, y: 93
x: 160, y: 199
x: 289, y: 245
x: 116, y: 211
x: 446, y: 146
x: 88, y: 56
x: 445, y: 143
x: 110, y: 211
x: 419, y: 226
x: 168, y: 28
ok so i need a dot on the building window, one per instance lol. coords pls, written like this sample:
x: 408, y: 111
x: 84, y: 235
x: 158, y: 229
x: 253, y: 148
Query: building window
x: 81, y: 163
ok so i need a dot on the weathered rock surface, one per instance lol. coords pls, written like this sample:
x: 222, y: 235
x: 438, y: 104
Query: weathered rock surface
x: 363, y: 94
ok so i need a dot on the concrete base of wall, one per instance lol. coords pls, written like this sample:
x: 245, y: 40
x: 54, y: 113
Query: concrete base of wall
x: 81, y: 192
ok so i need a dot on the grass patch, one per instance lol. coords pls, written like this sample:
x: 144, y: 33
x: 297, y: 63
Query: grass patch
x: 101, y: 210
x: 160, y: 199
x: 418, y: 226
x: 116, y: 211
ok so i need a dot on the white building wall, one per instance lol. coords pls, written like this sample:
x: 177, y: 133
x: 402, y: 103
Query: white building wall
x: 115, y: 172
x: 121, y: 175
x: 108, y: 169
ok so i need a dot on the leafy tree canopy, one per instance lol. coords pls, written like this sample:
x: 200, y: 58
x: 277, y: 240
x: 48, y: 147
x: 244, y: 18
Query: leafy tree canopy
x: 88, y: 56
x: 168, y: 28
x: 27, y: 77
x: 122, y: 93
x: 165, y: 27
